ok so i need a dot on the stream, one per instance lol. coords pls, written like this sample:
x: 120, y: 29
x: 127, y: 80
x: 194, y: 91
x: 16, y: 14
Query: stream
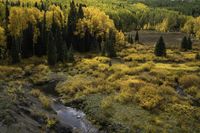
x: 72, y: 117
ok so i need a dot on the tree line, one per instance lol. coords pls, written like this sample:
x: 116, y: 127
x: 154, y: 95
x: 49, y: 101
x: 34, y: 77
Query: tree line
x: 56, y: 31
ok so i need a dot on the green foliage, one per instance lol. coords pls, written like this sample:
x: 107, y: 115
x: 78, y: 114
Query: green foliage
x: 160, y: 49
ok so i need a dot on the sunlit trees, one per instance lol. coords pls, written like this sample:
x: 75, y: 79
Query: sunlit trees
x: 192, y: 26
x: 95, y: 26
x: 2, y: 37
x: 2, y: 41
x: 160, y: 49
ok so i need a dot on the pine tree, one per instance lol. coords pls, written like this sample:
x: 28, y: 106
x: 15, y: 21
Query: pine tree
x: 64, y: 51
x: 160, y: 49
x: 110, y: 41
x: 15, y: 50
x: 184, y: 43
x: 80, y: 12
x: 52, y: 52
x: 28, y: 48
x: 137, y: 37
x: 71, y: 25
x: 189, y: 43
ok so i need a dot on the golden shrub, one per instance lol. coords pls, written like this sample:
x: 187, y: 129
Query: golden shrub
x: 148, y: 97
x: 46, y: 102
x: 35, y: 92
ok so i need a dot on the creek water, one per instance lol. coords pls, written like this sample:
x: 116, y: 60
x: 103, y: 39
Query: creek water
x: 74, y: 118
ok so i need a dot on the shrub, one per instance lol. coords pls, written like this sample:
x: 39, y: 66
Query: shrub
x: 189, y: 81
x: 126, y: 95
x: 46, y: 102
x: 40, y: 74
x: 51, y: 122
x: 148, y: 97
x: 35, y: 92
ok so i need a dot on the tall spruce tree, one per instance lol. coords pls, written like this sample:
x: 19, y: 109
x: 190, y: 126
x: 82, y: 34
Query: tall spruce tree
x: 184, y: 43
x: 80, y: 12
x: 71, y: 25
x: 110, y: 42
x: 28, y: 48
x: 160, y: 49
x: 52, y: 52
x: 15, y: 50
x: 137, y: 37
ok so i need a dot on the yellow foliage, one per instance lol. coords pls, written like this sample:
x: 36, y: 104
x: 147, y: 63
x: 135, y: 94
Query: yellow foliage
x: 141, y: 7
x: 58, y: 16
x: 46, y: 102
x: 192, y: 26
x: 148, y: 97
x: 2, y: 36
x: 20, y: 18
x: 99, y: 24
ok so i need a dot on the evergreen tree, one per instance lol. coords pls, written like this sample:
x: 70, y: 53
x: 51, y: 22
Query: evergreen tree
x: 137, y: 37
x: 80, y: 12
x: 189, y: 43
x: 184, y: 43
x: 160, y: 49
x: 71, y: 25
x: 110, y: 42
x: 64, y: 52
x: 15, y: 50
x: 28, y: 48
x: 52, y: 52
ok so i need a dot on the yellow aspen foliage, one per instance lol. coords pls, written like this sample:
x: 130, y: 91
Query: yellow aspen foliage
x: 2, y: 36
x: 96, y: 21
x: 164, y: 26
x: 58, y: 15
x: 140, y: 7
x: 20, y: 18
x: 192, y: 26
x: 98, y: 24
